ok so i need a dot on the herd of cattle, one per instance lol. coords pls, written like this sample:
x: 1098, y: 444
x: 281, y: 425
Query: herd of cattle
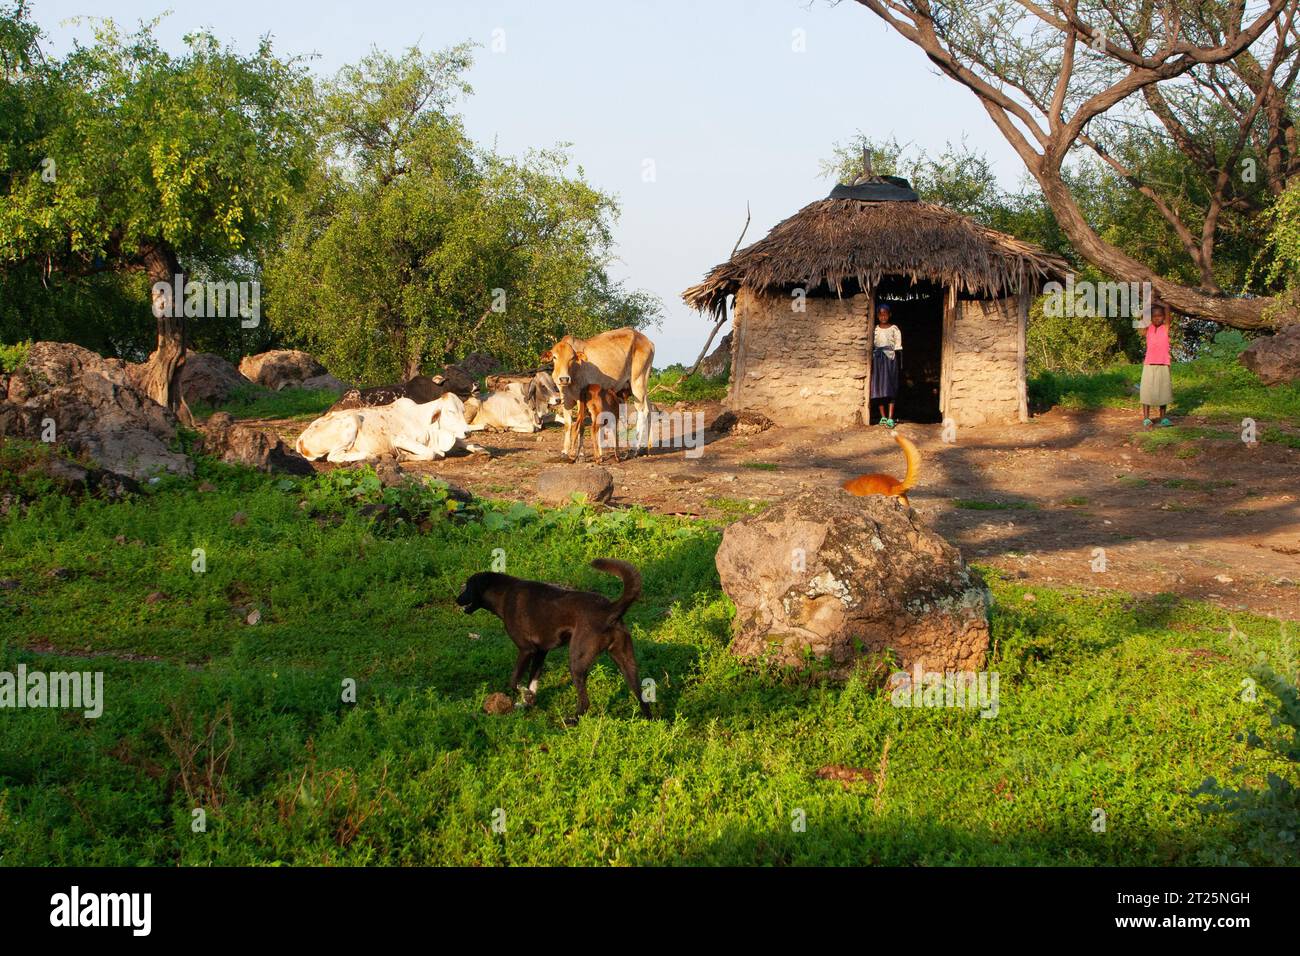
x: 428, y: 416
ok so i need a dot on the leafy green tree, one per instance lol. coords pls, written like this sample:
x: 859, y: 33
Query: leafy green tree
x: 410, y: 244
x: 127, y: 158
x: 1189, y: 105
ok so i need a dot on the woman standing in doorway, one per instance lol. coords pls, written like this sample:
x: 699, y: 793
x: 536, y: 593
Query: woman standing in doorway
x: 888, y: 342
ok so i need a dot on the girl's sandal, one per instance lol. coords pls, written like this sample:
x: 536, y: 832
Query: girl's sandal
x: 1146, y: 423
x: 1166, y: 423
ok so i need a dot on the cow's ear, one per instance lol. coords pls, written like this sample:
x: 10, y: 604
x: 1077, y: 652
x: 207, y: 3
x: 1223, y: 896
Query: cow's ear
x: 580, y: 356
x: 546, y: 356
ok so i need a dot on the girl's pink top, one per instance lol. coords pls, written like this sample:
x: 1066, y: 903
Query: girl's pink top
x: 1158, y: 344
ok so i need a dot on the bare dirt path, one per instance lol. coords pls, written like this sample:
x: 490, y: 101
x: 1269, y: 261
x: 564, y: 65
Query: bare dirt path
x: 1208, y: 517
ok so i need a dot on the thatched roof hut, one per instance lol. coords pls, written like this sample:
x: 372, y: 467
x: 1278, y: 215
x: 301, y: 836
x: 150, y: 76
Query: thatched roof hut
x: 804, y: 300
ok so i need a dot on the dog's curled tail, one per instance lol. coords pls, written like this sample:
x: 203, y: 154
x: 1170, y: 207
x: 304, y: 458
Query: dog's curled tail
x: 913, y: 463
x: 631, y: 584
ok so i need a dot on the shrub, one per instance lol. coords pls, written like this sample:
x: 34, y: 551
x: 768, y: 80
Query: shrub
x: 12, y: 356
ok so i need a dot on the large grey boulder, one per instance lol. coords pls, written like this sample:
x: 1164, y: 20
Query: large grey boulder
x: 557, y: 485
x: 324, y: 383
x: 842, y: 577
x: 205, y: 378
x: 241, y: 444
x: 280, y: 368
x: 1275, y: 359
x: 209, y: 378
x: 95, y: 410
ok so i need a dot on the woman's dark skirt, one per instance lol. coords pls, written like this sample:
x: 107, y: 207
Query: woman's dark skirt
x: 884, y: 374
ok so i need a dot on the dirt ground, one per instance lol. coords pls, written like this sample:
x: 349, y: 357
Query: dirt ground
x: 1215, y: 520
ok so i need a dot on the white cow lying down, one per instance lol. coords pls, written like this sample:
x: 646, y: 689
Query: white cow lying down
x: 403, y: 428
x: 507, y: 409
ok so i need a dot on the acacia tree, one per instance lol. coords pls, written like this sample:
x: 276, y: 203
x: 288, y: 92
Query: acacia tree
x: 1210, y: 83
x: 134, y: 159
x: 412, y: 245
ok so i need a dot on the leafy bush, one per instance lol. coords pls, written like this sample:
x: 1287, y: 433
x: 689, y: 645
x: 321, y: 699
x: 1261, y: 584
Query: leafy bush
x: 1067, y: 343
x: 672, y: 384
x: 1226, y: 346
x: 12, y: 356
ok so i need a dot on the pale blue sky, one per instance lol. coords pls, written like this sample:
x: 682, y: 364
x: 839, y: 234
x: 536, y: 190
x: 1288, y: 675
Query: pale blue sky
x: 714, y: 93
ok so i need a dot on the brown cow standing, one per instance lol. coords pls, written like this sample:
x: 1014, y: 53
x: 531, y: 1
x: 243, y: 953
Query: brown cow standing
x: 617, y: 360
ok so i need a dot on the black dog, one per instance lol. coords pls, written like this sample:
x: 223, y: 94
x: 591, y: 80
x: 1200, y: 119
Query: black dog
x: 539, y: 617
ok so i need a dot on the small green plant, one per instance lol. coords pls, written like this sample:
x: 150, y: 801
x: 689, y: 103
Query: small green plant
x: 13, y: 356
x: 980, y: 504
x: 761, y: 465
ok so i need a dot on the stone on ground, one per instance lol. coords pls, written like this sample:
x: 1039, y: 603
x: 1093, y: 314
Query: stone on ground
x: 240, y: 444
x: 1275, y: 359
x: 280, y: 368
x: 843, y: 577
x: 557, y: 485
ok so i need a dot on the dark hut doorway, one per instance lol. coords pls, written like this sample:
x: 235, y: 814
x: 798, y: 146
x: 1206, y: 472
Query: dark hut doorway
x: 917, y: 310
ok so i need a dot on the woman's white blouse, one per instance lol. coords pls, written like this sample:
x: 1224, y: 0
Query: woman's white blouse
x: 890, y: 338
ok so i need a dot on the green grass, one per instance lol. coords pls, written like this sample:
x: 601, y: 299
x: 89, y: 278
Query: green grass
x: 1197, y: 484
x: 1210, y: 387
x: 761, y: 465
x: 980, y: 504
x: 674, y: 385
x: 735, y: 508
x: 254, y: 402
x: 1106, y: 702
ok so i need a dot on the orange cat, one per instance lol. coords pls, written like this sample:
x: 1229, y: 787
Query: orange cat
x: 865, y: 485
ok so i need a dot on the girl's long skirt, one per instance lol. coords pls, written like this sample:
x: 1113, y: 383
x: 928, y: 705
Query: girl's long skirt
x: 884, y: 374
x: 1157, y: 389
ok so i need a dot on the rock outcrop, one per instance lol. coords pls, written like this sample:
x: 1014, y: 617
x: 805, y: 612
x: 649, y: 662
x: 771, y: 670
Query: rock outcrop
x: 240, y: 444
x: 556, y: 486
x: 88, y: 404
x: 1275, y: 359
x: 280, y: 368
x: 841, y: 577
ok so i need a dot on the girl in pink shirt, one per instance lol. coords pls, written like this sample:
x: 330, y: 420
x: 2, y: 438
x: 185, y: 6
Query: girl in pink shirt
x: 1157, y: 387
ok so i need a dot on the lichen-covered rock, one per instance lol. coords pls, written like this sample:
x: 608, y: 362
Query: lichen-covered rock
x: 1275, y: 359
x: 842, y: 577
x: 88, y: 404
x: 556, y: 486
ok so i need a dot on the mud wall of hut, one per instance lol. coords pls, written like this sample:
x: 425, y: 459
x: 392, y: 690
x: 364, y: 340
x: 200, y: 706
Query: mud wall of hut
x: 984, y: 363
x: 810, y: 366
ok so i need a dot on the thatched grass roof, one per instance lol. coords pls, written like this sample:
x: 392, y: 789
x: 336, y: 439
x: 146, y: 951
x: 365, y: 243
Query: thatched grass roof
x: 838, y: 241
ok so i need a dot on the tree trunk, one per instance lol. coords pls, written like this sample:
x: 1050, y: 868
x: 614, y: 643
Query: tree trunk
x: 1233, y: 311
x: 709, y: 341
x: 411, y: 369
x: 162, y: 373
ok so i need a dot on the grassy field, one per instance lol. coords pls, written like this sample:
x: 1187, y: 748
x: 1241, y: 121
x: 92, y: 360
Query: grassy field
x: 1214, y: 387
x: 1106, y: 703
